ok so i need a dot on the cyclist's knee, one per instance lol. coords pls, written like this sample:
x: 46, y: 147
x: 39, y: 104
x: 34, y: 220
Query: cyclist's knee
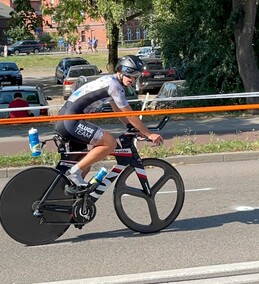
x: 108, y: 140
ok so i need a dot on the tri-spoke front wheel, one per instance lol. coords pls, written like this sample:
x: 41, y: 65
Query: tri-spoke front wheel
x: 149, y: 214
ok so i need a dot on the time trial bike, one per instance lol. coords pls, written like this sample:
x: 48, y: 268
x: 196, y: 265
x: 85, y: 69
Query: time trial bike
x: 148, y: 194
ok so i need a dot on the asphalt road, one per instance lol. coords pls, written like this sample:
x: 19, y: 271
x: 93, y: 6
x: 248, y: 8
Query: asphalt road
x: 218, y: 225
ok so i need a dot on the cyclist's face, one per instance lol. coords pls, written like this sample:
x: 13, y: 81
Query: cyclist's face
x: 127, y: 80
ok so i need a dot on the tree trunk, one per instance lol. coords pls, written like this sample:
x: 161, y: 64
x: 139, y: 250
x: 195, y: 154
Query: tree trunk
x: 113, y: 48
x: 244, y: 31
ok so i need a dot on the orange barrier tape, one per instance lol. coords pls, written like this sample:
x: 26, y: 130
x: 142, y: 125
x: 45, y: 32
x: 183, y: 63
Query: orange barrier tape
x: 126, y: 113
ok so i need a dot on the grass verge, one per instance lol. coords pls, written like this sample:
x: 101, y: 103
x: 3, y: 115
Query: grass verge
x: 186, y: 146
x: 41, y: 61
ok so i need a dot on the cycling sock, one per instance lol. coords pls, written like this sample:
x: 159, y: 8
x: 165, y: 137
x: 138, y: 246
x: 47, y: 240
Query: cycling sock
x: 76, y: 178
x: 75, y: 170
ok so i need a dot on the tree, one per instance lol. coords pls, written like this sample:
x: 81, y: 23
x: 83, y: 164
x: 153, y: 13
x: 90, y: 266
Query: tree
x: 198, y: 38
x: 211, y: 41
x: 114, y: 12
x: 23, y: 22
x: 245, y: 12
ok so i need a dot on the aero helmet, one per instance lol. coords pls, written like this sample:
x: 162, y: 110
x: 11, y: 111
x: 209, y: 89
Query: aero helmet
x: 130, y: 65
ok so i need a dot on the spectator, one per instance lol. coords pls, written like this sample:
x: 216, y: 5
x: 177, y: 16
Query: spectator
x: 67, y: 46
x: 79, y: 47
x: 95, y: 43
x: 19, y: 102
x: 73, y: 48
x: 89, y: 43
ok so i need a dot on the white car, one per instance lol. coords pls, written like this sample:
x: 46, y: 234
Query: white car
x: 89, y: 71
x: 149, y: 52
x: 32, y: 94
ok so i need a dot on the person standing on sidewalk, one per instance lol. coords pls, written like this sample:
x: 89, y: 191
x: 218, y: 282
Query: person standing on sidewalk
x: 89, y: 43
x: 95, y: 43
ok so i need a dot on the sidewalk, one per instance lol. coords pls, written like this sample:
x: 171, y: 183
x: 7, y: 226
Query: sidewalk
x: 14, y: 139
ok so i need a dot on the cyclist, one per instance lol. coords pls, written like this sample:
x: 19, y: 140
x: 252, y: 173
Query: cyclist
x: 87, y: 98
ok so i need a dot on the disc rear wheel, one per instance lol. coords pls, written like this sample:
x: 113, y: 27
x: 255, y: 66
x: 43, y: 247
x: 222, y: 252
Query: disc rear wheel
x: 149, y: 214
x: 17, y: 204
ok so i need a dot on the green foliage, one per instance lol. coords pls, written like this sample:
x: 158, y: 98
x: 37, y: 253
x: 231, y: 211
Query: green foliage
x: 181, y: 146
x: 45, y: 37
x: 115, y: 13
x: 198, y: 38
x: 23, y: 22
x: 18, y: 33
x: 68, y: 19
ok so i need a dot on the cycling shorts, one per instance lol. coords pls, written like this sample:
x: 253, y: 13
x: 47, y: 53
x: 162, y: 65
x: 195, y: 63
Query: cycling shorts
x: 79, y: 131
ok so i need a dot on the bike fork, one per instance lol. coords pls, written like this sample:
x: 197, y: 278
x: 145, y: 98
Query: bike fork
x: 142, y: 176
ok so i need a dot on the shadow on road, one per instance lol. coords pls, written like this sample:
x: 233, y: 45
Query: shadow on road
x: 193, y: 224
x: 250, y: 217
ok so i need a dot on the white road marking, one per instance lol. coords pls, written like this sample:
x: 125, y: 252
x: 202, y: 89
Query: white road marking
x: 189, y: 190
x: 243, y: 272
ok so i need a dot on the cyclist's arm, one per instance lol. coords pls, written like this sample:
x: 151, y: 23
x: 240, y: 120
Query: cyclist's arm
x: 115, y: 108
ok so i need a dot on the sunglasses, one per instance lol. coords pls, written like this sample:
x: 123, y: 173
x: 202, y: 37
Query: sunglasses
x: 132, y: 76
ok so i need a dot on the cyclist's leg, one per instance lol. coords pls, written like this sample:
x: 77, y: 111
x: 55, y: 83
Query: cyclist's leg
x: 102, y: 148
x: 104, y: 143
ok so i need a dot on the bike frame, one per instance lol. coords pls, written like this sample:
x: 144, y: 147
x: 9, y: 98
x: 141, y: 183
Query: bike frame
x: 125, y: 155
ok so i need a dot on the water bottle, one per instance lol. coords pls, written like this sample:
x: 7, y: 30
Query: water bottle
x: 98, y: 178
x: 34, y: 142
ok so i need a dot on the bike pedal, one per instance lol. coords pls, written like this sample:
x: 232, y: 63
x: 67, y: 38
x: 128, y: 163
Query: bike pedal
x: 74, y: 190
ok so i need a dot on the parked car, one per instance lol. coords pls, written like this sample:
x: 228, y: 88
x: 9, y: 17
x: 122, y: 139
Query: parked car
x: 154, y: 75
x: 149, y: 52
x: 65, y: 64
x: 76, y: 71
x: 168, y: 90
x: 10, y: 73
x: 25, y: 46
x: 131, y: 96
x: 32, y: 94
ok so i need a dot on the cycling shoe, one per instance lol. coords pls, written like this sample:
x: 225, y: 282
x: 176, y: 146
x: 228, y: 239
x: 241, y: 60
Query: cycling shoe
x: 75, y: 189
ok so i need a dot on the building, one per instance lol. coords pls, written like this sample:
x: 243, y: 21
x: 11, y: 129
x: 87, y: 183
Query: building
x: 131, y: 31
x: 5, y: 10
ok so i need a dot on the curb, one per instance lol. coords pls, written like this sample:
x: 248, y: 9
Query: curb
x: 179, y: 159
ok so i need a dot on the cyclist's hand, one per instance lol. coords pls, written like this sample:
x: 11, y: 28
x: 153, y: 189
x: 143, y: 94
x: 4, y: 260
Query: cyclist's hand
x: 156, y: 138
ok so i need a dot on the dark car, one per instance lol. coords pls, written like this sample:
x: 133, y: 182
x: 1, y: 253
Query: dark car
x: 168, y: 91
x: 154, y: 75
x: 25, y: 46
x: 131, y: 96
x: 10, y: 73
x: 65, y: 64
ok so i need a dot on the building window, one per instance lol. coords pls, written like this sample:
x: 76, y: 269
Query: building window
x: 137, y: 33
x: 83, y: 36
x: 145, y: 34
x: 129, y: 34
